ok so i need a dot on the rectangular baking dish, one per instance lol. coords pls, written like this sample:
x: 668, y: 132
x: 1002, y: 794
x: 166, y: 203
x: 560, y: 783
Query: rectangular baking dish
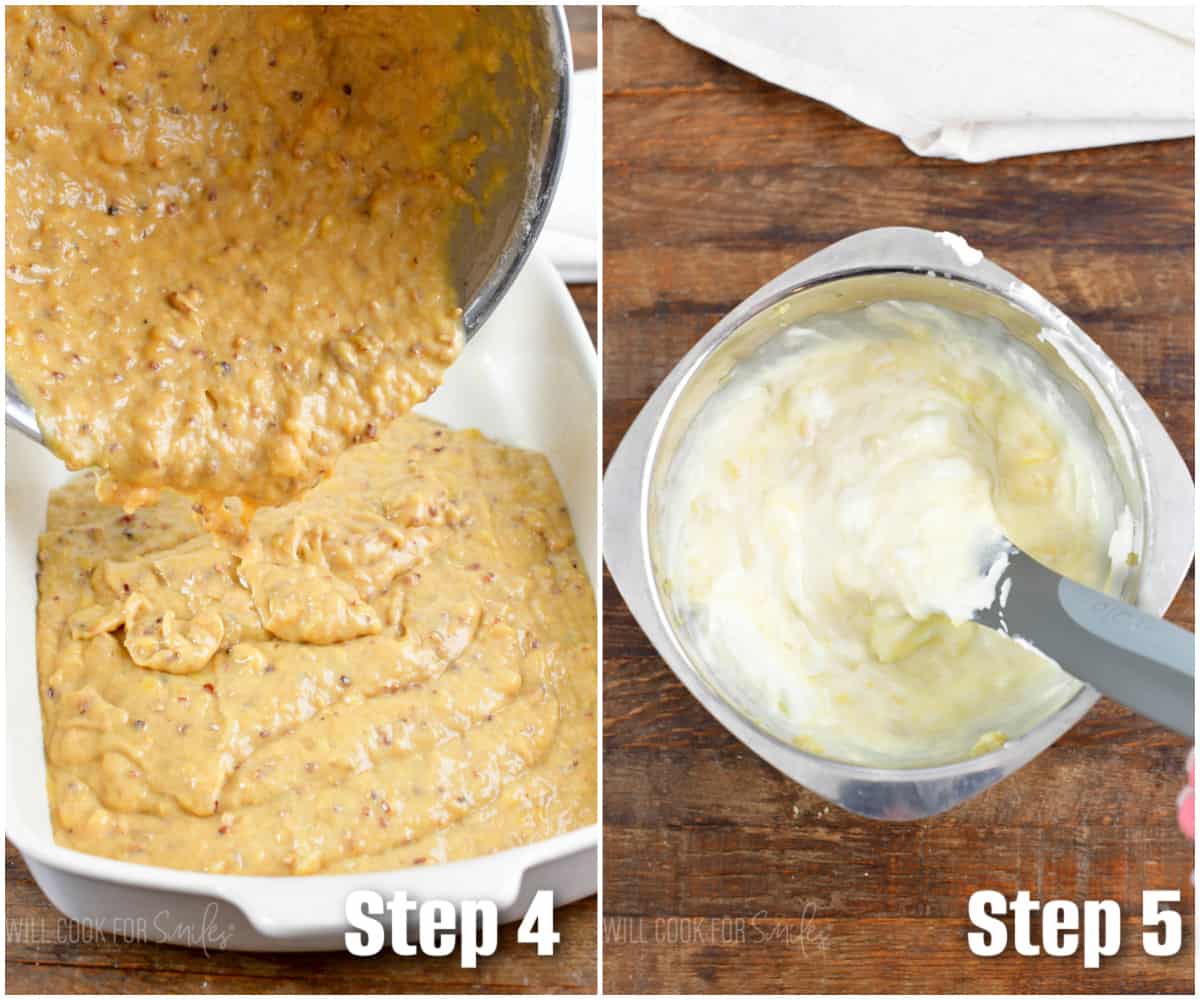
x: 529, y: 377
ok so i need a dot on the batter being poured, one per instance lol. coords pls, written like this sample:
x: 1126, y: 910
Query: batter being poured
x: 833, y: 517
x: 228, y: 261
x: 228, y: 229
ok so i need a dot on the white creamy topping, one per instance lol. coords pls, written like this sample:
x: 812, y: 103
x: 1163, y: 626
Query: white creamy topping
x: 967, y: 254
x: 836, y: 513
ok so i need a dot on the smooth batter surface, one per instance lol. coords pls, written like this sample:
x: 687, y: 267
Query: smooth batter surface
x: 830, y: 519
x: 399, y: 668
x: 227, y: 231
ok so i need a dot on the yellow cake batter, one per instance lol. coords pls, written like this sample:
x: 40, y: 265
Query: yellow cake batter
x: 228, y: 261
x: 227, y: 231
x: 397, y: 669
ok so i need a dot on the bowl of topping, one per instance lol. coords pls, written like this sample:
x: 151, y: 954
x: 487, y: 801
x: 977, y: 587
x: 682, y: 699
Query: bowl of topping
x: 809, y: 489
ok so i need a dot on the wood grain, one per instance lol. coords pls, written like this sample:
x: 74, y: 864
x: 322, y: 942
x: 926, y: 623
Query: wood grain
x: 585, y: 299
x: 47, y: 954
x: 582, y: 23
x: 719, y: 873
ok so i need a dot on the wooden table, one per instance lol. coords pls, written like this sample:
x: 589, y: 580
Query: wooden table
x: 48, y: 954
x: 719, y: 873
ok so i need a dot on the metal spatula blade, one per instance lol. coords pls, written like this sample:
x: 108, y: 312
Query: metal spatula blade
x: 19, y: 414
x: 1143, y: 662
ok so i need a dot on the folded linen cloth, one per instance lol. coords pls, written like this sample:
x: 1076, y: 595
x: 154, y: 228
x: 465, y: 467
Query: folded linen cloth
x: 969, y: 83
x: 571, y: 234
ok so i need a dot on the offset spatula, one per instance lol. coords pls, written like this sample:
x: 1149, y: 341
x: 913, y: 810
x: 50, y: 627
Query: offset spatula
x: 1141, y: 661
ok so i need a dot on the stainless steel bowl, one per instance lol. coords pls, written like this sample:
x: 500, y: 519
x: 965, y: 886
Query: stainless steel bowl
x: 878, y: 264
x: 487, y: 250
x: 487, y: 253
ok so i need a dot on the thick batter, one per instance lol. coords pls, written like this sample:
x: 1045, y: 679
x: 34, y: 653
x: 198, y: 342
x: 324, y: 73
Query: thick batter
x: 399, y: 668
x: 227, y: 231
x: 830, y: 521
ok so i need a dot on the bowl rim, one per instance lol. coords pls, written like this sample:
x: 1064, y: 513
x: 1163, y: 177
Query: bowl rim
x: 539, y: 193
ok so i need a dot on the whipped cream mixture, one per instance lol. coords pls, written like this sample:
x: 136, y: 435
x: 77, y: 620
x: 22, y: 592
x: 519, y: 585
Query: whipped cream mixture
x: 836, y: 513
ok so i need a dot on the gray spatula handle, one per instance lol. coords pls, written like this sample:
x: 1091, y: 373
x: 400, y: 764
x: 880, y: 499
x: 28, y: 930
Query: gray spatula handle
x: 1141, y: 661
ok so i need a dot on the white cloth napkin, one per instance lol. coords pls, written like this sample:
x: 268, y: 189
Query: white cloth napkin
x: 969, y: 83
x: 571, y: 235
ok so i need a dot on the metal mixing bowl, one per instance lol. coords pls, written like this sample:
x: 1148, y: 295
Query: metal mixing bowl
x: 488, y: 248
x: 487, y: 253
x: 874, y: 265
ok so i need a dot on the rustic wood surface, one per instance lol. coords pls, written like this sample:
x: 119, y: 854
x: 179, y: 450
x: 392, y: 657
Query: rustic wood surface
x: 719, y: 873
x: 47, y: 954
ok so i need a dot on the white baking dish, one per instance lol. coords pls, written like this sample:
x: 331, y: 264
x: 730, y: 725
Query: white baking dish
x: 529, y: 377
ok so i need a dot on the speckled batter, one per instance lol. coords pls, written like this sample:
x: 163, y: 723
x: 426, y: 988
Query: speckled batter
x: 399, y: 668
x: 227, y: 231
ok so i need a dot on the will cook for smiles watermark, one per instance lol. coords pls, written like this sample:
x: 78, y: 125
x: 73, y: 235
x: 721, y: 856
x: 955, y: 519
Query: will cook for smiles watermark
x: 802, y: 932
x: 208, y: 932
